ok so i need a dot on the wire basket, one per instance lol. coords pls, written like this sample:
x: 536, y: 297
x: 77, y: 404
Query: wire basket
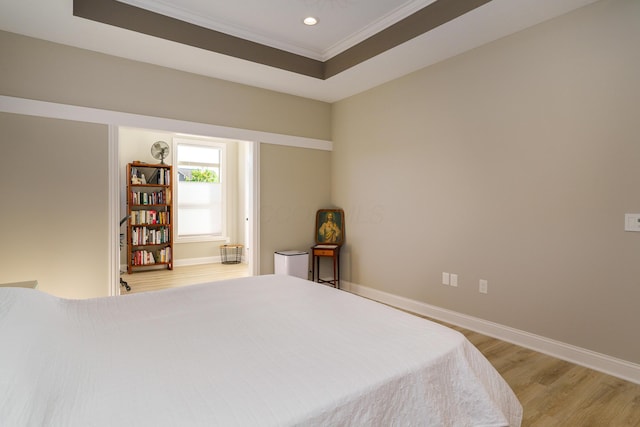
x: 231, y: 254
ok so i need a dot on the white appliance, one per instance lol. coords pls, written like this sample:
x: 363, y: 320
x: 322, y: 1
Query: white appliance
x: 292, y: 263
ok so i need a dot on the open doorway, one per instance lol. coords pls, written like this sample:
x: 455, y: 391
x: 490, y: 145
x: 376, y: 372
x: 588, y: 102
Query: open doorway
x: 237, y: 217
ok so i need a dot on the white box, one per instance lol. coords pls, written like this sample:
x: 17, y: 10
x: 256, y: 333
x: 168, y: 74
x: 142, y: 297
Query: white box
x: 292, y: 263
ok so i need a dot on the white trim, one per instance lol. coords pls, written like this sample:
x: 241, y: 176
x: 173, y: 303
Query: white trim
x: 202, y: 238
x: 197, y: 261
x: 254, y: 221
x: 113, y: 258
x: 32, y: 107
x: 600, y: 362
x: 185, y: 262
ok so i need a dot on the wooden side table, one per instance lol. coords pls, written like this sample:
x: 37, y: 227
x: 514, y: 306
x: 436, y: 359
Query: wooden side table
x: 332, y: 251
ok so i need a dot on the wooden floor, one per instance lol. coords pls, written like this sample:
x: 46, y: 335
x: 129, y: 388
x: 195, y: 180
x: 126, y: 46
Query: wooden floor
x: 558, y: 393
x: 553, y: 392
x: 143, y: 281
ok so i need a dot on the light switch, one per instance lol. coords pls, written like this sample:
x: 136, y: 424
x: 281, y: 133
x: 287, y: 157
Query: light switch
x: 631, y: 222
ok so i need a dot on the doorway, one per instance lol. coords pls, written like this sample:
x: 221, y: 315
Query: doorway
x: 241, y: 208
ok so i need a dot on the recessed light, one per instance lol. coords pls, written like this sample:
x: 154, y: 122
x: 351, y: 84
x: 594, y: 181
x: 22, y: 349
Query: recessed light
x: 310, y: 21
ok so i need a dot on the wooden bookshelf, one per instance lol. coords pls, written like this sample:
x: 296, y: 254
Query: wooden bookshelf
x: 150, y: 216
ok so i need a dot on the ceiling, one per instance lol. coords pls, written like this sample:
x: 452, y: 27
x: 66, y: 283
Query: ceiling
x: 279, y: 23
x: 356, y: 45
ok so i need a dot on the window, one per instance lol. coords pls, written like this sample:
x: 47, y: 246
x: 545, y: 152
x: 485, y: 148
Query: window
x: 200, y: 166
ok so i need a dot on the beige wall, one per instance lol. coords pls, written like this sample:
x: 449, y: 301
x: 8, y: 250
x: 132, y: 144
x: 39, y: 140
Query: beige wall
x: 294, y: 184
x: 41, y: 70
x: 46, y: 71
x: 514, y: 163
x: 54, y: 222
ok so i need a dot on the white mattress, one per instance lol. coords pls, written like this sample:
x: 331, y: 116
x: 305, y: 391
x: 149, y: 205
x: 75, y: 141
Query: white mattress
x: 262, y: 351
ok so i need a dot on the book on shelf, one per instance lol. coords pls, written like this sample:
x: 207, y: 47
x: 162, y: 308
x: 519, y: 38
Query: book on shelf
x: 144, y: 257
x: 141, y: 236
x: 150, y: 217
x: 159, y: 176
x: 149, y: 198
x: 165, y: 255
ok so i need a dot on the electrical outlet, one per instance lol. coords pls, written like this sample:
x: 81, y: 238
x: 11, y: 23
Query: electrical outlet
x: 454, y: 280
x: 484, y: 286
x: 445, y: 278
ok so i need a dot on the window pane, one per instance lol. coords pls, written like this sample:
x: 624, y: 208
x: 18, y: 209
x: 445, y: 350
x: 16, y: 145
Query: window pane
x: 199, y: 192
x: 196, y: 222
x: 199, y: 208
x: 197, y: 174
x: 198, y: 154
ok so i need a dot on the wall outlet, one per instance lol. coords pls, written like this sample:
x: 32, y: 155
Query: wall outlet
x: 445, y: 278
x: 454, y: 280
x: 484, y: 286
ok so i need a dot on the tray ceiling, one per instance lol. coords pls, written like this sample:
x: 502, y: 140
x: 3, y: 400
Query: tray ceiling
x: 356, y: 45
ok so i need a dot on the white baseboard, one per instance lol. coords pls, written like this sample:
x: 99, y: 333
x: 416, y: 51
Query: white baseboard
x: 197, y: 261
x: 204, y: 260
x: 600, y: 362
x: 192, y: 261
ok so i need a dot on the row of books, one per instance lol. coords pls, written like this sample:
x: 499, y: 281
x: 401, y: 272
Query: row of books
x: 150, y: 258
x: 153, y: 198
x: 150, y: 236
x: 160, y: 176
x: 150, y: 217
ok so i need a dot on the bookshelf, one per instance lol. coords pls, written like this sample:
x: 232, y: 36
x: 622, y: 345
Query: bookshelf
x: 150, y: 217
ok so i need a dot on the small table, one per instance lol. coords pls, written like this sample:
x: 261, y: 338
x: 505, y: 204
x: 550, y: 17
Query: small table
x: 332, y: 251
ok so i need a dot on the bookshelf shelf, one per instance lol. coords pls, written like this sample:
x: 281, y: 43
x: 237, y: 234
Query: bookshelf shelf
x: 150, y: 216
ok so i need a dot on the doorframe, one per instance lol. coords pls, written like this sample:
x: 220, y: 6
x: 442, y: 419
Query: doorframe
x: 253, y: 240
x: 254, y: 219
x: 115, y: 119
x: 113, y: 176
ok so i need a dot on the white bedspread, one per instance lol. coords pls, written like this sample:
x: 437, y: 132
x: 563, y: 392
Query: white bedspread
x: 262, y: 351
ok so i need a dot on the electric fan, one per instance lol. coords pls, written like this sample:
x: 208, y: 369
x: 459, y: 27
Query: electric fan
x: 160, y: 150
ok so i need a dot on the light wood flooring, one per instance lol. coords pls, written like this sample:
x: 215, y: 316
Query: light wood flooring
x: 553, y: 392
x: 152, y: 280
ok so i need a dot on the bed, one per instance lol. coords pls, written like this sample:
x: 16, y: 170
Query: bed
x: 270, y: 350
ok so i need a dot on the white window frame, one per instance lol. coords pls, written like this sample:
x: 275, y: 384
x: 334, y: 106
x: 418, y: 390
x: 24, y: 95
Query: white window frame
x: 223, y: 237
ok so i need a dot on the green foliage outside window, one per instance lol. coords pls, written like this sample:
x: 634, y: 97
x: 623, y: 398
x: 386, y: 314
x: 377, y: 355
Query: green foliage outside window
x: 202, y: 175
